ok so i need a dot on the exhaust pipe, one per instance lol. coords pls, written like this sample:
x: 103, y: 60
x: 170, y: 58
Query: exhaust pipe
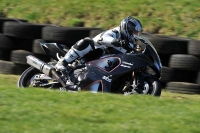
x: 45, y: 68
x: 40, y: 65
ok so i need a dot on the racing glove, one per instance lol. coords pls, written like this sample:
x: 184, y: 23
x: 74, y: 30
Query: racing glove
x: 119, y: 43
x: 122, y: 43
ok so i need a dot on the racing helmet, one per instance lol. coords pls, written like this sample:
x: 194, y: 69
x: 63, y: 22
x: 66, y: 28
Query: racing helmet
x: 129, y: 28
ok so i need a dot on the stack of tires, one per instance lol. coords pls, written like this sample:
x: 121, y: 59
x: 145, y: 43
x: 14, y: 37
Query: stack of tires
x: 19, y: 38
x: 181, y: 63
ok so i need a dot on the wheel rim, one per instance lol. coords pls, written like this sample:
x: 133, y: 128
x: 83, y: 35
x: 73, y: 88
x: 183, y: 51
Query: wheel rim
x: 146, y: 88
x: 31, y: 81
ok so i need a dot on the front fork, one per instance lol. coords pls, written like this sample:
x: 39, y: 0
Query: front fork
x: 138, y: 82
x: 136, y: 85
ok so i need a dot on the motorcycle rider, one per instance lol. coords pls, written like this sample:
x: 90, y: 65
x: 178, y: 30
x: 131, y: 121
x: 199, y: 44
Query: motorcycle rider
x: 118, y: 38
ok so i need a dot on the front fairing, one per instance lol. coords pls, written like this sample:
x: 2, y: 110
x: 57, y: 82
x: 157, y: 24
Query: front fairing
x: 151, y: 52
x: 99, y: 71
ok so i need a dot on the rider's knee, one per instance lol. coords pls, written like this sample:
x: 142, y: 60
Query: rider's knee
x: 84, y: 43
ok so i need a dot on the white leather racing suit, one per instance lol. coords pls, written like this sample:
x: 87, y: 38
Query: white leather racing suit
x: 102, y: 40
x: 106, y: 38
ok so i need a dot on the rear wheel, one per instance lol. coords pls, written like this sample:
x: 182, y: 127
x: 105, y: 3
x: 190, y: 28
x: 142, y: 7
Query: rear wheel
x: 32, y: 77
x: 27, y: 75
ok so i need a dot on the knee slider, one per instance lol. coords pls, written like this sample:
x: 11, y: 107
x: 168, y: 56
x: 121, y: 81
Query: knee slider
x: 90, y: 42
x: 84, y: 43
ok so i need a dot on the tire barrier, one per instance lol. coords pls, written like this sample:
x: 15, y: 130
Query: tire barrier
x: 5, y: 54
x: 19, y: 56
x: 23, y: 30
x: 36, y: 47
x: 183, y: 87
x: 180, y: 57
x: 2, y: 20
x: 198, y: 78
x: 6, y: 45
x: 94, y: 32
x: 65, y: 35
x: 8, y: 67
x: 22, y: 43
x: 185, y: 62
x: 194, y: 47
x: 6, y: 42
x: 168, y: 45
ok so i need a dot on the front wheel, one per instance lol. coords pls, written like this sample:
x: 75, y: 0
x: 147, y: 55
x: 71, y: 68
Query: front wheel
x: 151, y: 86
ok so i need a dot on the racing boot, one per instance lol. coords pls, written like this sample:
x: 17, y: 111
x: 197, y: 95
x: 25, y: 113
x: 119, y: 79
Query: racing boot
x: 61, y: 65
x: 68, y: 58
x: 80, y: 49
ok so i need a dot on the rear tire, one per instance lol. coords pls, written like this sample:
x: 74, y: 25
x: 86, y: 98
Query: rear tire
x: 24, y: 80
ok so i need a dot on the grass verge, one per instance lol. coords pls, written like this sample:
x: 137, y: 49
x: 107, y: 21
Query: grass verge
x: 36, y: 110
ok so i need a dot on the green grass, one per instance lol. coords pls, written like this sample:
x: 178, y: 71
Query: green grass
x: 37, y: 110
x: 175, y: 18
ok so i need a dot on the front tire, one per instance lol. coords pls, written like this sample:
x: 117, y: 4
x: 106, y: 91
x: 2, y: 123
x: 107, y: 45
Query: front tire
x: 154, y: 86
x: 151, y: 86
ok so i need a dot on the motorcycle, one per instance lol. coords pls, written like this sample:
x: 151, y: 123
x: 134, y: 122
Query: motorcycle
x: 113, y: 73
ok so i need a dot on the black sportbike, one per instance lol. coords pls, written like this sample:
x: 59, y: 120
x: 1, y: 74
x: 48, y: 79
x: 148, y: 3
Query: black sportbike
x: 113, y: 73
